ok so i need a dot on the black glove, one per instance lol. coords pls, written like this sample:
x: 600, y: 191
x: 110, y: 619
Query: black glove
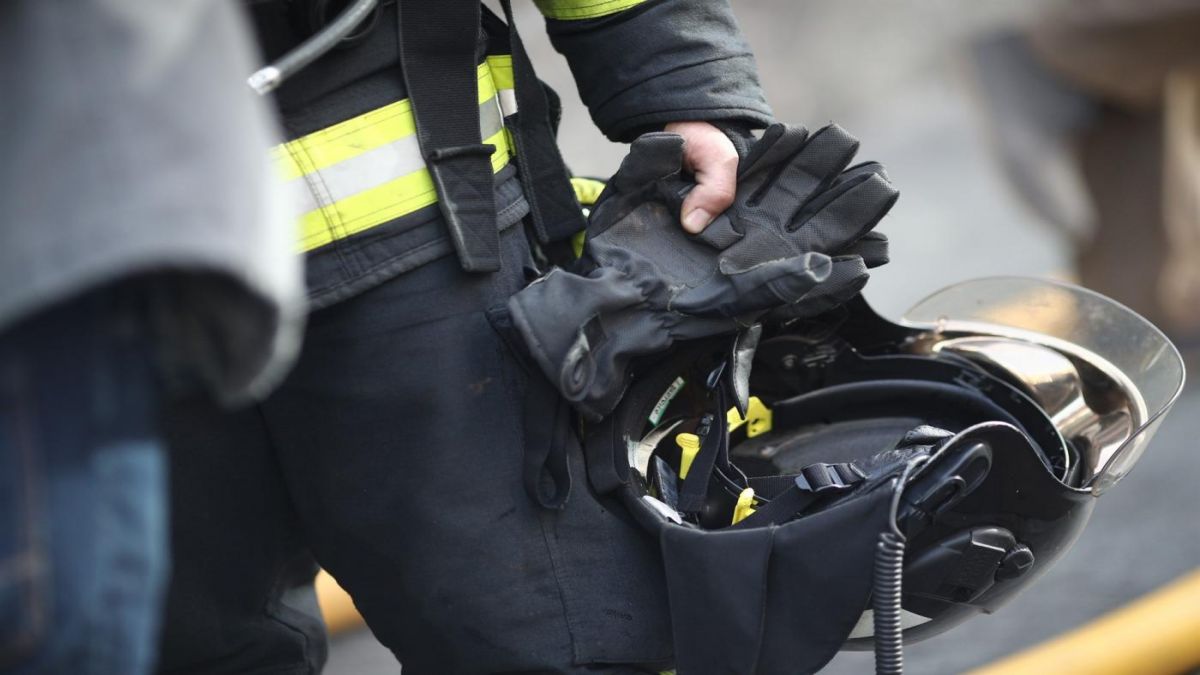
x: 777, y: 207
x: 644, y: 283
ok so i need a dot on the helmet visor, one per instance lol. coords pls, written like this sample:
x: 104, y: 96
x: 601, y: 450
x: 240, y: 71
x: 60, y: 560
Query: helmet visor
x: 1106, y: 375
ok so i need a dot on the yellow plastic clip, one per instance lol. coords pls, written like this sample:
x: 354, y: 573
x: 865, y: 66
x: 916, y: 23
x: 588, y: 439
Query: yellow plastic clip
x: 689, y: 445
x: 744, y: 507
x: 758, y: 418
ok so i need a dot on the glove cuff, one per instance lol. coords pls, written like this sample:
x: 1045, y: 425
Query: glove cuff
x: 560, y: 319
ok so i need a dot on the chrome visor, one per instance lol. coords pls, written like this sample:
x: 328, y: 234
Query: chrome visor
x: 1104, y: 375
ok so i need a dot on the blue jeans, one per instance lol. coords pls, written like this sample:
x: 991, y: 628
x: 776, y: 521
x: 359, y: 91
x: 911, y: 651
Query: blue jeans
x: 83, y: 557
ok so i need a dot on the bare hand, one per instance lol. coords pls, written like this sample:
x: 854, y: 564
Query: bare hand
x: 710, y: 156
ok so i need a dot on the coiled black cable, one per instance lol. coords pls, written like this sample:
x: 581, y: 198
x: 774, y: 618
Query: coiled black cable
x: 889, y: 577
x: 887, y: 592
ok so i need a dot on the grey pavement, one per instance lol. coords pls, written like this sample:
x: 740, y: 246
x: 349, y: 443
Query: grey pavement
x: 891, y: 72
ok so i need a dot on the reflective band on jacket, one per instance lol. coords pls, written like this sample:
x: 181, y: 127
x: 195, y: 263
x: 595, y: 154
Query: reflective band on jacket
x: 568, y: 10
x: 368, y: 170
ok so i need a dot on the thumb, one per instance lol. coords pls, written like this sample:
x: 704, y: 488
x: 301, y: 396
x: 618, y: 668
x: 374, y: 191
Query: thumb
x: 713, y: 160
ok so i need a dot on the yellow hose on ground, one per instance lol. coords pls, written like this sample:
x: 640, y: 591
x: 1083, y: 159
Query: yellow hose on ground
x: 336, y: 605
x: 1158, y: 634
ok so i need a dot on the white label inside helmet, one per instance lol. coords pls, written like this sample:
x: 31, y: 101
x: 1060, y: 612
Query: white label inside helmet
x: 659, y: 408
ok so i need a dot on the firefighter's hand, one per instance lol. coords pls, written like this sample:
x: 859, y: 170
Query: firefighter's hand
x: 710, y: 156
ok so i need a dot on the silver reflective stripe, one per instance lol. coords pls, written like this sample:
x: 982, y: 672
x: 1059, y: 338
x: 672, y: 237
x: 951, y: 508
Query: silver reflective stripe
x: 508, y: 101
x: 374, y: 167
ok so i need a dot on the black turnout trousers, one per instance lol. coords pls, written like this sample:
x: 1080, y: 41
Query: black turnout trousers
x: 393, y: 453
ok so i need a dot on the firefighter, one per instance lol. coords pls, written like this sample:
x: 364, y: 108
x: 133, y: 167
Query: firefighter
x: 421, y: 165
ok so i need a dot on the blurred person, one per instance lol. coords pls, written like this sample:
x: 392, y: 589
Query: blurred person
x: 1096, y: 110
x: 142, y: 247
x: 400, y: 449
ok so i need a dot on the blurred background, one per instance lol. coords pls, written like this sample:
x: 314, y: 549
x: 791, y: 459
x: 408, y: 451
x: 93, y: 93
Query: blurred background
x: 979, y: 139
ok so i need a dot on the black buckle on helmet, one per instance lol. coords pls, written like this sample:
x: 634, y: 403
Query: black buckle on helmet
x: 824, y: 477
x: 802, y: 491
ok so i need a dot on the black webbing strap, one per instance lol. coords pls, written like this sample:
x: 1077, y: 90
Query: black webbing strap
x: 712, y: 456
x: 437, y: 53
x: 555, y: 212
x: 792, y: 494
x: 693, y: 492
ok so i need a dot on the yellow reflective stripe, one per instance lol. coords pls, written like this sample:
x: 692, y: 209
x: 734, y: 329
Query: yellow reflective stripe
x: 502, y: 75
x: 587, y: 190
x: 568, y: 10
x: 502, y: 71
x: 487, y: 82
x: 357, y: 135
x: 347, y: 139
x: 378, y: 205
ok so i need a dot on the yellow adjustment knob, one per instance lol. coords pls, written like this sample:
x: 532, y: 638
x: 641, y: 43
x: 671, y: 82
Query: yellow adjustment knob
x: 689, y: 445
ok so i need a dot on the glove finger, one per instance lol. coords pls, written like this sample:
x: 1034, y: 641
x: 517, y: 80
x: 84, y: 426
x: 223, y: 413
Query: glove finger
x: 847, y: 277
x: 862, y: 169
x: 763, y: 286
x: 814, y: 168
x: 781, y: 281
x: 651, y: 157
x: 872, y: 248
x: 778, y: 142
x: 841, y: 217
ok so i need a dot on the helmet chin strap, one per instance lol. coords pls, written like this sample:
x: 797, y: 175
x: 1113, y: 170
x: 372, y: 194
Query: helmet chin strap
x: 887, y: 593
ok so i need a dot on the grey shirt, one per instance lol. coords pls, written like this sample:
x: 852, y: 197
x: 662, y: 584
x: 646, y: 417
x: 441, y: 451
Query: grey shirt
x: 132, y: 147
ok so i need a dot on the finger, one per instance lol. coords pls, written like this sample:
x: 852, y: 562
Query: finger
x: 843, y: 216
x: 872, y: 248
x: 778, y: 142
x: 815, y: 167
x: 863, y: 168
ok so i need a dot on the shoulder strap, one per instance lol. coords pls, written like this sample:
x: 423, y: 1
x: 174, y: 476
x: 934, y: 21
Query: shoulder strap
x: 556, y: 213
x: 437, y: 55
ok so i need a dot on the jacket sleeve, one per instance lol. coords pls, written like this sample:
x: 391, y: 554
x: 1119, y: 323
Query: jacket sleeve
x: 642, y: 63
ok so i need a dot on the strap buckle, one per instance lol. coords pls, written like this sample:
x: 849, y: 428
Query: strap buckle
x: 825, y: 477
